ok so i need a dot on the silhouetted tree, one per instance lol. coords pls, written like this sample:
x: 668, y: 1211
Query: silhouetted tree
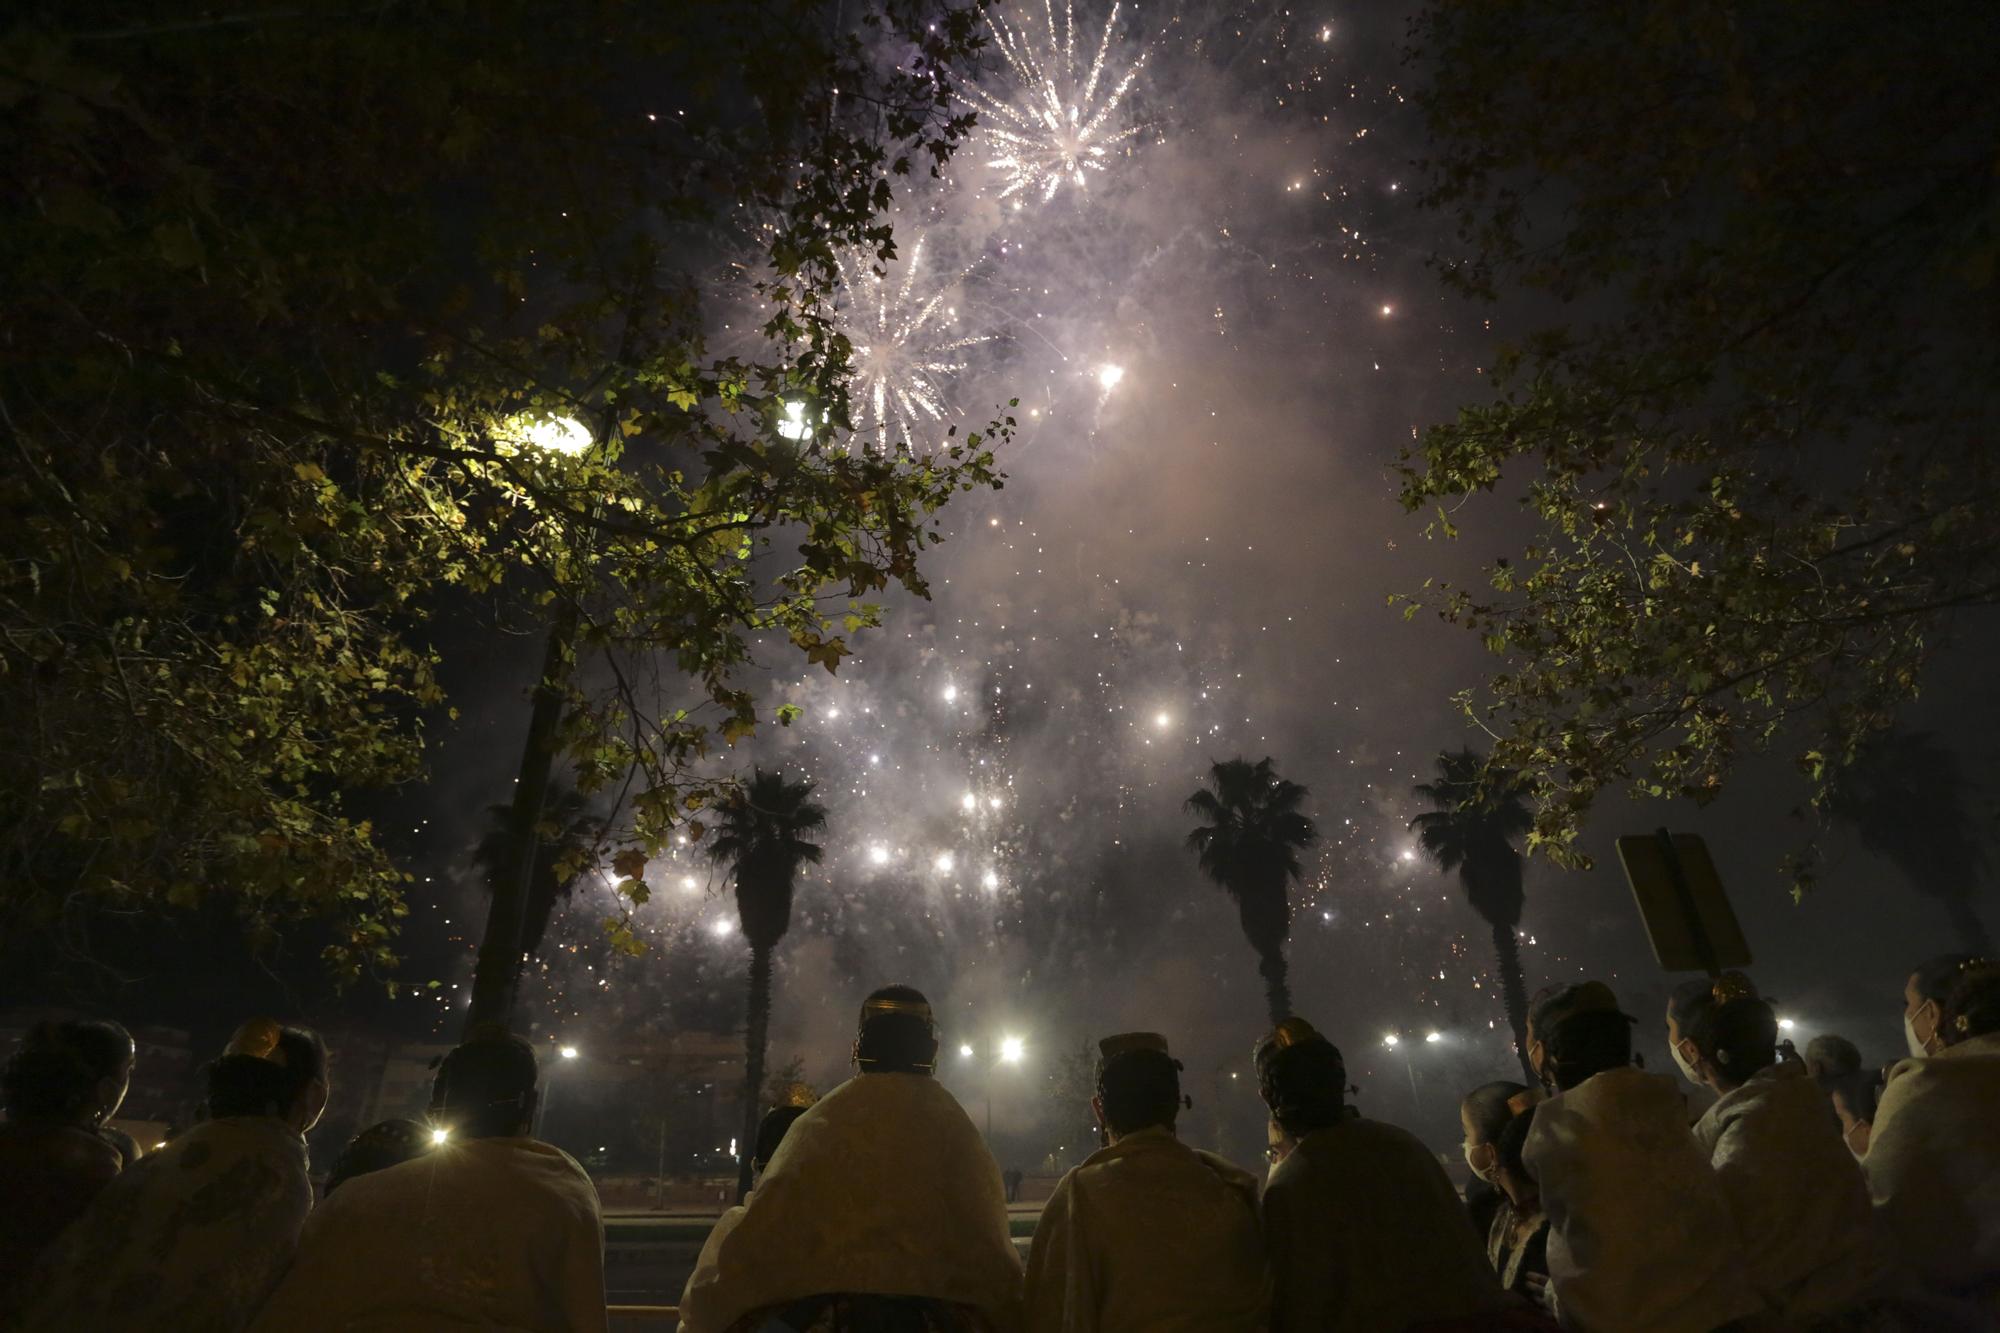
x: 1472, y: 830
x: 567, y: 830
x: 762, y: 840
x: 1904, y: 796
x: 1249, y: 843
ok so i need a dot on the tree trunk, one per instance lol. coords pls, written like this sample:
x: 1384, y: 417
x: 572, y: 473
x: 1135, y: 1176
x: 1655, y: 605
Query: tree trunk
x: 1514, y: 994
x: 497, y: 973
x: 756, y: 1032
x: 1972, y: 934
x: 1277, y: 992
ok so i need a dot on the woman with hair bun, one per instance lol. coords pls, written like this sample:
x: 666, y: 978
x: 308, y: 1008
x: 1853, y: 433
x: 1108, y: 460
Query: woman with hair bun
x: 1796, y: 1191
x: 195, y: 1235
x: 62, y: 1083
x: 1933, y: 1160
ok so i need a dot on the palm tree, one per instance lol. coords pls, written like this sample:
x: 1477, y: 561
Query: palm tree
x: 1249, y: 843
x: 1904, y: 795
x: 566, y: 829
x: 762, y: 840
x: 1472, y: 830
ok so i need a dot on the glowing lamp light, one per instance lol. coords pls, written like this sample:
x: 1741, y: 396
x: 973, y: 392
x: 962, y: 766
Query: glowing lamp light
x: 1786, y: 1025
x: 1162, y: 720
x: 878, y: 855
x: 1392, y: 1040
x: 556, y: 435
x: 439, y: 1135
x: 723, y: 928
x: 945, y: 861
x: 1012, y: 1049
x: 568, y: 1052
x: 793, y: 425
x: 1434, y: 1037
x: 1108, y: 376
x: 688, y: 883
x: 965, y: 1051
x: 1409, y: 855
x: 950, y: 693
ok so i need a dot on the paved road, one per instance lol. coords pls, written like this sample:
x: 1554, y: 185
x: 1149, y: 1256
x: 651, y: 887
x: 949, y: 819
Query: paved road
x: 648, y: 1256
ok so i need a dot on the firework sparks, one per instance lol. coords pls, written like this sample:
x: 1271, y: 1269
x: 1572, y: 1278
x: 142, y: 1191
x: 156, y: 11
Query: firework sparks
x: 905, y: 349
x: 1059, y: 123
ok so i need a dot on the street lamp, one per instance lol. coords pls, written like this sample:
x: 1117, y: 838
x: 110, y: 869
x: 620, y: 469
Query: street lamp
x: 567, y: 1052
x: 1011, y: 1051
x: 495, y: 974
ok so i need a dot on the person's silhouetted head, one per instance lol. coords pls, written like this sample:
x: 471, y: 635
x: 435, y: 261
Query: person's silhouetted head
x: 898, y: 1034
x: 771, y: 1132
x: 1302, y: 1078
x: 1720, y: 1031
x: 1972, y: 1007
x: 75, y: 1072
x: 389, y: 1143
x: 1138, y: 1084
x: 1830, y: 1056
x: 485, y: 1087
x: 1575, y: 1032
x: 271, y: 1070
x: 1483, y: 1114
x: 1924, y: 996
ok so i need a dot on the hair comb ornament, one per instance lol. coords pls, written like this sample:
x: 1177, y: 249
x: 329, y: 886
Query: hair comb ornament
x: 258, y: 1039
x: 1731, y: 986
x: 889, y: 1005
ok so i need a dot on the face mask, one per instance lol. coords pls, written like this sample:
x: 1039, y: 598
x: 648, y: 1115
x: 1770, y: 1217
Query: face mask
x: 1475, y: 1153
x: 1856, y: 1137
x: 1687, y: 1070
x: 1917, y: 1047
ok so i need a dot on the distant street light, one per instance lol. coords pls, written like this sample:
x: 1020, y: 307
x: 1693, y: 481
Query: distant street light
x: 1392, y: 1040
x: 568, y: 1052
x: 965, y: 1051
x: 1012, y: 1049
x: 439, y: 1135
x: 1786, y: 1025
x: 1434, y: 1037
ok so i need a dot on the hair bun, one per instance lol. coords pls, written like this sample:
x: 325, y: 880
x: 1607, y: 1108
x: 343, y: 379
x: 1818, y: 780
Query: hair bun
x: 258, y: 1039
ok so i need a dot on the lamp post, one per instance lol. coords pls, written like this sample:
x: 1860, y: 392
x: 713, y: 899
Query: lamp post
x: 1010, y: 1052
x: 496, y: 973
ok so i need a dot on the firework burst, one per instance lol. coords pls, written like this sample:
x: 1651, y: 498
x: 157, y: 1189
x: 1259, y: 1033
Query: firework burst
x: 906, y: 350
x: 1058, y: 125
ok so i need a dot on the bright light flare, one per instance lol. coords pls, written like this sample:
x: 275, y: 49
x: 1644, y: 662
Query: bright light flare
x: 991, y: 880
x: 944, y: 862
x: 878, y: 855
x: 1786, y: 1025
x: 1162, y: 720
x: 793, y: 425
x: 1012, y: 1049
x: 969, y: 802
x: 1109, y: 376
x: 951, y: 694
x: 723, y: 928
x: 556, y: 435
x: 1433, y: 1037
x: 1392, y: 1040
x: 568, y: 1052
x: 438, y: 1135
x: 965, y: 1051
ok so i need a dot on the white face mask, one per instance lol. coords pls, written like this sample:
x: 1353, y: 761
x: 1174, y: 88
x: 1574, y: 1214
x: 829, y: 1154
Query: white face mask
x: 1473, y: 1166
x: 1917, y: 1047
x: 1687, y: 1070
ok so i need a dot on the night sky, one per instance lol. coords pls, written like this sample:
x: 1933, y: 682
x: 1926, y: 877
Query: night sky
x: 1219, y: 342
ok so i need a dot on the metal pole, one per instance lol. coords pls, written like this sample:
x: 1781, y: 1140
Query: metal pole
x: 1677, y: 876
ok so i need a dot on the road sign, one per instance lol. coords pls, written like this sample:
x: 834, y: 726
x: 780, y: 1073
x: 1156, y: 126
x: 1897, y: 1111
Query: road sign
x: 1688, y: 918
